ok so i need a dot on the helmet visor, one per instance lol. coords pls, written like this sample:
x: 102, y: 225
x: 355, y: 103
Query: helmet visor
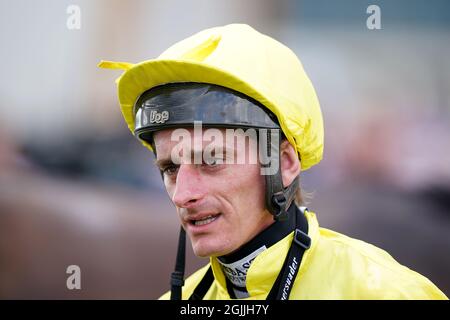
x: 180, y: 104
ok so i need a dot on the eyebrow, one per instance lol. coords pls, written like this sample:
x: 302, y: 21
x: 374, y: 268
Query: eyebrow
x: 161, y: 163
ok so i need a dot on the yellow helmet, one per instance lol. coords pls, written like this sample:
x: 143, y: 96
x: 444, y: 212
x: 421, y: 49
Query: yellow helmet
x: 239, y: 58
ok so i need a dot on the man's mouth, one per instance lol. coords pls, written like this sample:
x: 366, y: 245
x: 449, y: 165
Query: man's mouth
x: 204, y: 220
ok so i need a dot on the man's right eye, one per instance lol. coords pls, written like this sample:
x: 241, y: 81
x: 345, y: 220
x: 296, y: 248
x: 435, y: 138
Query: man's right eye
x: 171, y: 169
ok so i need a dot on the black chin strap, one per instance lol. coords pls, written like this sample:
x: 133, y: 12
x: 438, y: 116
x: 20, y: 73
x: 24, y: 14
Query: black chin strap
x: 278, y: 198
x: 301, y: 242
x: 177, y: 277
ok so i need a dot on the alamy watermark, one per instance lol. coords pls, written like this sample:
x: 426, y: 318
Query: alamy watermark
x: 373, y: 21
x: 227, y: 146
x: 73, y: 21
x: 73, y: 281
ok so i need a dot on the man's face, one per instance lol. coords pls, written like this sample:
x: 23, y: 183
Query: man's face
x: 221, y: 206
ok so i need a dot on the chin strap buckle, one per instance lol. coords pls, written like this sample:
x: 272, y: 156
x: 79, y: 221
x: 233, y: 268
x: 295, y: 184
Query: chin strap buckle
x: 177, y: 279
x: 302, y: 239
x: 279, y: 200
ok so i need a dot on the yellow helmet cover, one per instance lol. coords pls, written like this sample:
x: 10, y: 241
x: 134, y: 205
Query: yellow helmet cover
x: 240, y: 58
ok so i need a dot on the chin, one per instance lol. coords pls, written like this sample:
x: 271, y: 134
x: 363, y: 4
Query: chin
x: 206, y: 250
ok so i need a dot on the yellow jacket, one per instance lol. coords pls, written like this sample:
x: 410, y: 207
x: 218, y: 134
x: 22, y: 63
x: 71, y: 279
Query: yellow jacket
x: 335, y: 267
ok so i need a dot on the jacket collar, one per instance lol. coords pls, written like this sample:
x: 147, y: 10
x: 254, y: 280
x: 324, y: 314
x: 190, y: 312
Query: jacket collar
x: 265, y: 268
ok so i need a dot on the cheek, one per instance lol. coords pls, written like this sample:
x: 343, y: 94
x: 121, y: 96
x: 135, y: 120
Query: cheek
x: 248, y: 186
x: 170, y: 185
x: 169, y: 188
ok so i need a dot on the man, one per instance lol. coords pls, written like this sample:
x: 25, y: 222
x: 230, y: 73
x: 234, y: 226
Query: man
x: 240, y: 203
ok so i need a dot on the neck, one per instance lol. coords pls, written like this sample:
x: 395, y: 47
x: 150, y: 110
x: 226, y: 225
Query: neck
x: 236, y: 264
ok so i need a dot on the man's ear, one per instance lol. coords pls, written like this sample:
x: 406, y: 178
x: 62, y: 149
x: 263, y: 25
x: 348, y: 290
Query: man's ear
x: 289, y: 163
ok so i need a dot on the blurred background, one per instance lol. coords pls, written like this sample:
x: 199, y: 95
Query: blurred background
x: 77, y: 189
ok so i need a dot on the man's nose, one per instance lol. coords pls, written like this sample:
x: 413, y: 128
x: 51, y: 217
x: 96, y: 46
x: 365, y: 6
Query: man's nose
x: 189, y: 188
